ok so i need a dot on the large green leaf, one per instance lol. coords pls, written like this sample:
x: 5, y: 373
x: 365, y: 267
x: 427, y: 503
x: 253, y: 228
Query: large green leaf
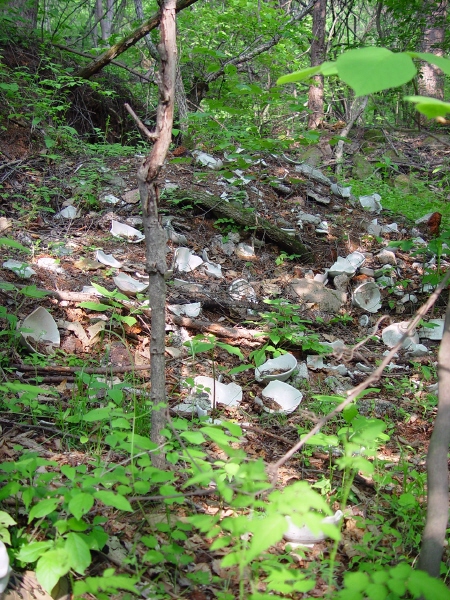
x: 439, y: 61
x: 370, y: 70
x: 78, y: 552
x: 115, y: 500
x: 43, y: 508
x: 299, y: 75
x: 81, y: 504
x: 51, y: 567
x: 430, y: 107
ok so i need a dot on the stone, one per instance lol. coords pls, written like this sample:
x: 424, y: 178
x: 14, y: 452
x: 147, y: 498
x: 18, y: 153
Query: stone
x: 310, y: 291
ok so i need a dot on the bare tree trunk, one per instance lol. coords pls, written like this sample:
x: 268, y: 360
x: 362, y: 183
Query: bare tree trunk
x: 105, y: 17
x: 437, y: 467
x: 315, y: 94
x: 356, y: 110
x: 25, y: 10
x: 431, y: 82
x: 155, y: 235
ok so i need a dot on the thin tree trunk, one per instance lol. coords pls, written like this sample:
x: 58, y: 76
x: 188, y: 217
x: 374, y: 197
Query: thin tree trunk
x: 155, y: 236
x: 356, y: 110
x: 431, y: 82
x: 315, y: 94
x: 437, y: 467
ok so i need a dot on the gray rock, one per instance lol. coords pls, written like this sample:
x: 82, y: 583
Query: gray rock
x: 312, y: 291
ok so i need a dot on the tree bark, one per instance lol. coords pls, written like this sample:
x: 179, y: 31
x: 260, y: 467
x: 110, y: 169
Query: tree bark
x: 155, y: 235
x: 248, y: 219
x: 437, y: 467
x: 101, y: 61
x: 315, y: 94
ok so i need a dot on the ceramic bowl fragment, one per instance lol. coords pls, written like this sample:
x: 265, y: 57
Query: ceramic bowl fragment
x: 367, y: 296
x: 125, y: 231
x: 188, y: 310
x: 280, y: 397
x: 341, y: 191
x: 371, y: 203
x: 186, y: 261
x: 434, y: 333
x: 107, y: 259
x: 303, y: 536
x: 280, y: 368
x: 392, y: 334
x: 21, y: 269
x: 70, y: 212
x: 39, y: 329
x: 230, y: 395
x: 128, y: 285
x: 207, y: 160
x: 246, y: 252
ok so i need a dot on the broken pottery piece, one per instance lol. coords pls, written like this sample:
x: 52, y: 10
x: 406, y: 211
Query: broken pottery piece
x: 303, y: 536
x: 207, y: 160
x: 323, y: 227
x: 373, y: 228
x: 367, y: 296
x: 315, y: 362
x: 186, y: 261
x: 188, y: 310
x: 392, y: 334
x: 417, y: 350
x: 70, y: 212
x: 230, y: 395
x: 107, y: 259
x: 280, y: 368
x: 128, y: 285
x: 435, y: 333
x: 313, y: 173
x: 341, y: 191
x: 125, y: 231
x: 283, y: 398
x: 20, y: 268
x: 5, y: 569
x: 245, y: 252
x: 40, y: 329
x: 50, y: 264
x: 312, y: 291
x: 110, y: 199
x: 371, y: 203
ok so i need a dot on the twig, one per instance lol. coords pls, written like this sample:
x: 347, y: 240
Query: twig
x: 142, y: 128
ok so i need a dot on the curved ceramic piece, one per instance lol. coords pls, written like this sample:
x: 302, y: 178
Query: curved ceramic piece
x: 128, y: 285
x: 392, y: 334
x: 230, y: 395
x: 284, y: 395
x: 107, y: 259
x: 367, y: 296
x: 125, y: 231
x: 280, y: 368
x: 40, y: 328
x: 304, y: 535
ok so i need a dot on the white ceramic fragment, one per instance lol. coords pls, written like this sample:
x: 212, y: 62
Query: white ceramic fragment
x: 390, y: 228
x: 371, y: 203
x: 110, y: 199
x: 417, y: 350
x: 315, y: 362
x: 364, y: 320
x: 341, y: 191
x: 192, y: 288
x: 21, y: 269
x: 5, y: 569
x: 107, y: 259
x: 304, y: 536
x: 125, y: 231
x: 240, y: 289
x: 189, y: 310
x: 70, y: 212
x: 213, y: 269
x: 186, y: 261
x: 373, y: 228
x: 323, y: 227
x: 436, y: 333
x: 174, y: 236
x: 230, y: 395
x: 391, y: 335
x: 128, y: 285
x: 367, y: 296
x: 409, y: 298
x: 50, y: 264
x: 280, y: 368
x: 245, y: 251
x: 90, y: 289
x: 207, y: 160
x: 313, y: 173
x: 357, y: 259
x: 342, y: 266
x: 285, y: 395
x: 42, y: 329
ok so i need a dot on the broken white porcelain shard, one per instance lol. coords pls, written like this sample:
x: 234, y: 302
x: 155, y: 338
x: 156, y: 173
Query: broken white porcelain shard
x: 392, y: 334
x: 303, y: 536
x: 230, y: 395
x: 70, y: 212
x: 5, y: 569
x: 435, y: 333
x: 367, y: 296
x: 371, y: 203
x: 286, y: 396
x: 186, y: 261
x: 189, y: 310
x: 339, y: 190
x: 245, y: 252
x: 21, y: 269
x: 128, y: 285
x: 40, y: 328
x: 279, y: 368
x: 125, y: 231
x: 207, y: 160
x: 107, y: 259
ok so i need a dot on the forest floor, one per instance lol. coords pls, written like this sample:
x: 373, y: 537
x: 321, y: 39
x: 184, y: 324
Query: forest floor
x: 63, y: 258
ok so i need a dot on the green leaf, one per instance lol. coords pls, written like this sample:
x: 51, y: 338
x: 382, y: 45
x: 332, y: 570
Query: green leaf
x: 439, y: 61
x: 194, y: 437
x: 81, y: 504
x: 430, y: 107
x: 78, y: 552
x: 29, y: 553
x: 370, y: 70
x: 94, y: 306
x: 376, y: 591
x: 51, y: 567
x: 43, y: 508
x: 13, y: 244
x: 299, y: 75
x: 5, y: 519
x: 266, y: 533
x: 231, y: 350
x: 97, y: 414
x: 130, y: 321
x: 115, y: 500
x: 356, y: 581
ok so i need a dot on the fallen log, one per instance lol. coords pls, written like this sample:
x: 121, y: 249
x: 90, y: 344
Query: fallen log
x: 247, y: 218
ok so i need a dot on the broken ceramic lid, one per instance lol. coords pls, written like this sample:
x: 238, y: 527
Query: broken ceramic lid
x: 371, y: 203
x: 280, y: 397
x: 39, y: 332
x: 392, y: 334
x: 128, y: 285
x: 125, y: 231
x: 107, y: 259
x: 186, y: 261
x: 230, y: 395
x: 303, y: 536
x: 279, y: 368
x: 367, y: 296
